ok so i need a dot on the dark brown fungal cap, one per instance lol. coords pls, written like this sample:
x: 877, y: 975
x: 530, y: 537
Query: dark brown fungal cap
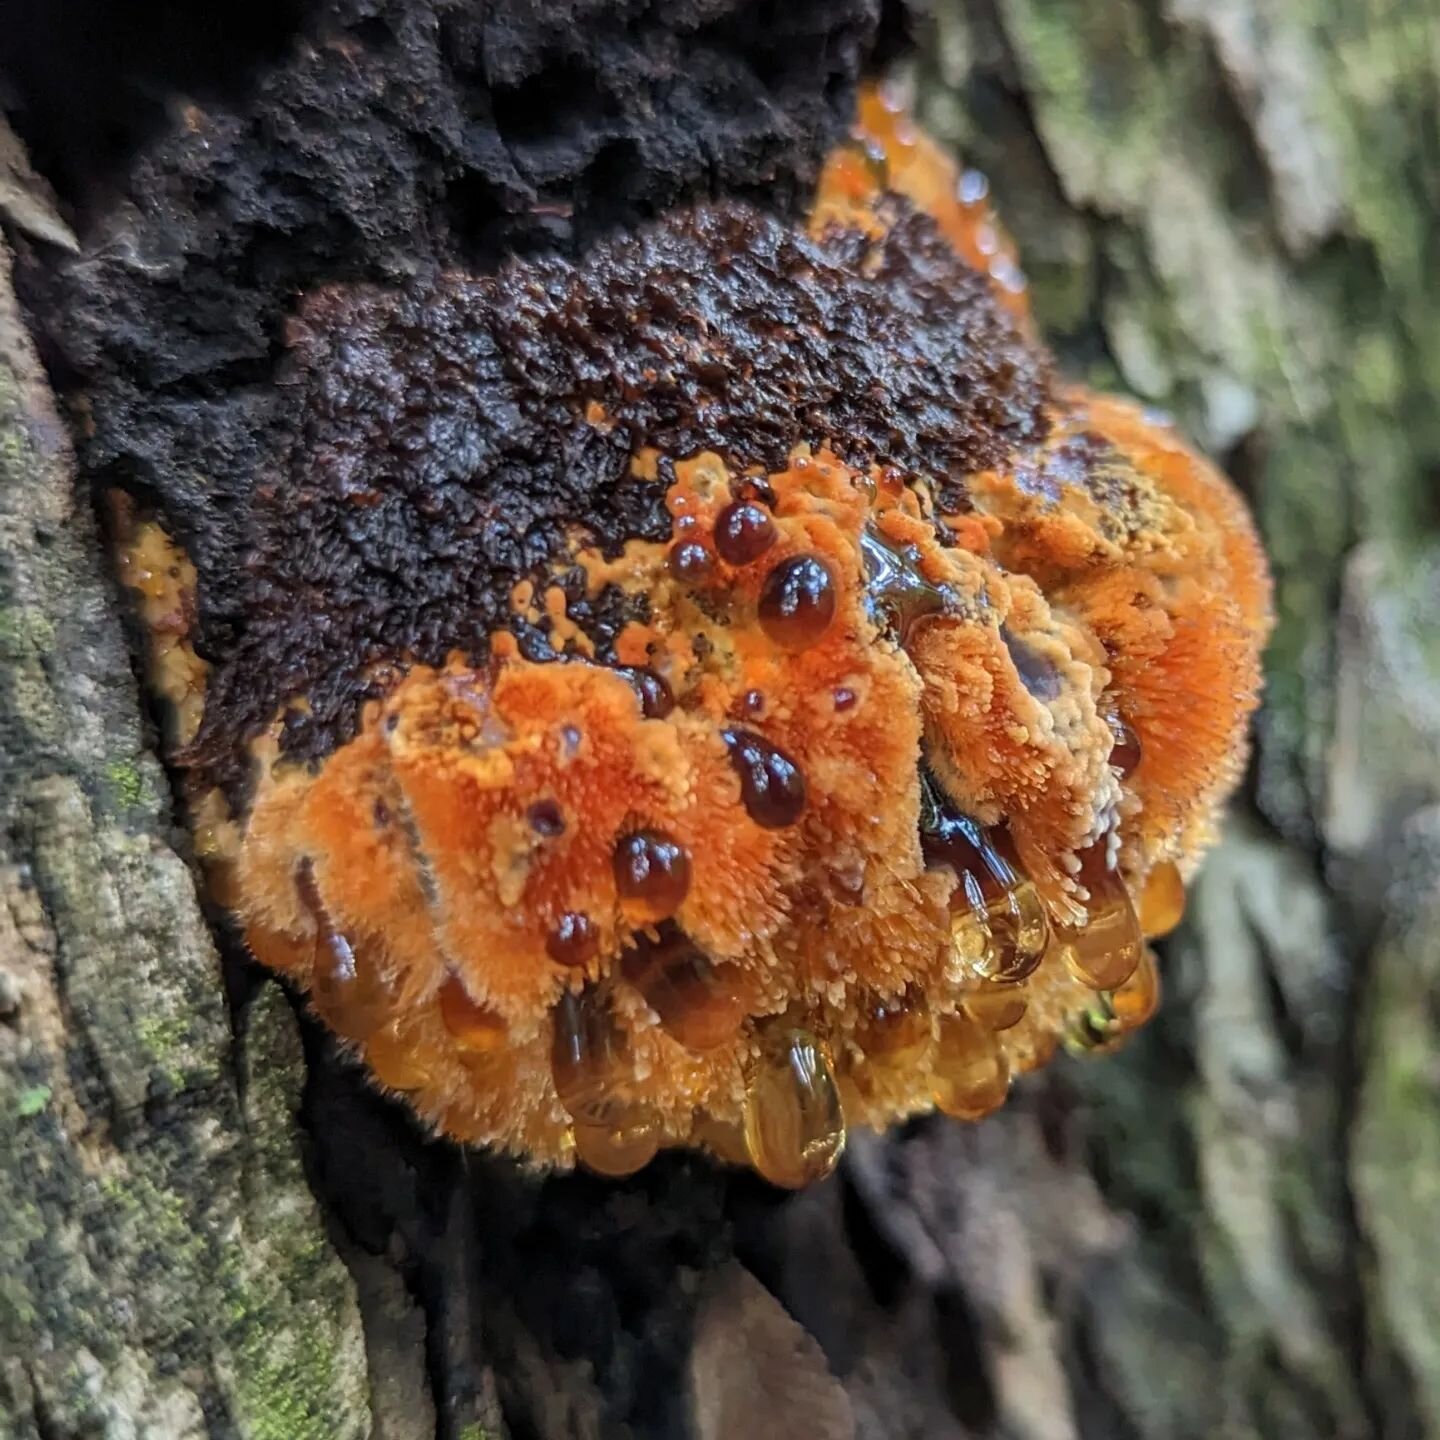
x: 375, y: 141
x: 440, y: 445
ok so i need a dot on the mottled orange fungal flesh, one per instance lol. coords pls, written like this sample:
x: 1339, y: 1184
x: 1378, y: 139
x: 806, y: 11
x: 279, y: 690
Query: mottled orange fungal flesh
x: 873, y: 803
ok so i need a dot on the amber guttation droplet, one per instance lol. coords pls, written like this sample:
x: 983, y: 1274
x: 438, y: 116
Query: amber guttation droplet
x: 997, y: 1004
x: 845, y: 698
x: 752, y: 704
x: 998, y: 924
x: 574, y: 939
x: 794, y: 1126
x: 474, y: 1026
x: 652, y: 874
x: 1103, y: 952
x: 1029, y: 1047
x: 895, y: 1031
x: 1037, y: 671
x: 700, y: 1003
x: 346, y: 988
x: 616, y: 1151
x: 970, y: 1076
x: 1125, y: 751
x: 797, y: 602
x: 772, y: 788
x: 690, y: 561
x: 656, y: 698
x: 744, y: 531
x: 589, y: 1062
x: 1139, y: 997
x: 1105, y: 1024
x: 1162, y: 901
x: 723, y: 1138
x: 898, y: 595
x: 395, y: 1060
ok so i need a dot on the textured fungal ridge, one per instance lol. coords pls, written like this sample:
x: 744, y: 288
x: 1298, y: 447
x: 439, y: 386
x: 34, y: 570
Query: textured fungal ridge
x: 830, y: 759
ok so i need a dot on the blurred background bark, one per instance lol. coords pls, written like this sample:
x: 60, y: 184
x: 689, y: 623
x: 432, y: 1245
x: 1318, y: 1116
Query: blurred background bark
x: 211, y: 1228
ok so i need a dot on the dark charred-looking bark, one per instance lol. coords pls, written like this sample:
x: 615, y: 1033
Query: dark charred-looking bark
x: 213, y: 1227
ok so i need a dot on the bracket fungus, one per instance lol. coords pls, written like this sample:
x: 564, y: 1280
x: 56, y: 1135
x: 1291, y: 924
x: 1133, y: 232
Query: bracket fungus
x: 860, y: 700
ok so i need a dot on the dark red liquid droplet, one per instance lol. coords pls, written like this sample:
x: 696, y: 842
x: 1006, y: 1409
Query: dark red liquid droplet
x: 546, y: 818
x: 574, y: 939
x: 797, y: 602
x: 757, y: 488
x: 771, y: 785
x: 652, y: 873
x: 690, y: 561
x: 589, y: 1059
x: 743, y: 533
x: 656, y: 699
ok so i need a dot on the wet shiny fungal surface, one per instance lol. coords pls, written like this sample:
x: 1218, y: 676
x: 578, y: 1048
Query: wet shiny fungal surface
x: 836, y: 744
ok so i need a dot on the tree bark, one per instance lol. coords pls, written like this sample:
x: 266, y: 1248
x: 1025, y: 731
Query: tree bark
x: 212, y: 1227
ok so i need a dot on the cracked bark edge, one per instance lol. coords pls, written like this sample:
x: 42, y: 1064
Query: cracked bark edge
x: 164, y: 1268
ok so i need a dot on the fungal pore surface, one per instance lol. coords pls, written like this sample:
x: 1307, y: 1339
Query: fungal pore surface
x: 861, y: 697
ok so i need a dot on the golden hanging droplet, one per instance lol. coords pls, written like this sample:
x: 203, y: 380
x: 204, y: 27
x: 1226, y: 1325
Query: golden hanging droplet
x: 395, y: 1060
x: 794, y: 1126
x: 998, y: 925
x: 724, y: 1139
x: 1104, y: 952
x: 589, y: 1062
x: 1029, y: 1046
x: 1162, y: 901
x: 970, y: 1076
x: 895, y: 1031
x: 700, y: 1003
x: 996, y: 1005
x: 347, y: 989
x: 617, y: 1151
x: 1114, y: 1016
x: 1139, y: 997
x: 474, y: 1027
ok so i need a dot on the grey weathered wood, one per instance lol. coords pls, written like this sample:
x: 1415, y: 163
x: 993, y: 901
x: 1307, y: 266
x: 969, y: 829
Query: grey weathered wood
x: 164, y: 1268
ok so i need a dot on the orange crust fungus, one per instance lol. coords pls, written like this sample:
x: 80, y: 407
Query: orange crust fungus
x: 839, y: 774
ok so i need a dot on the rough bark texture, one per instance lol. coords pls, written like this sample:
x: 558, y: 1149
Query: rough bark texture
x: 212, y: 1228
